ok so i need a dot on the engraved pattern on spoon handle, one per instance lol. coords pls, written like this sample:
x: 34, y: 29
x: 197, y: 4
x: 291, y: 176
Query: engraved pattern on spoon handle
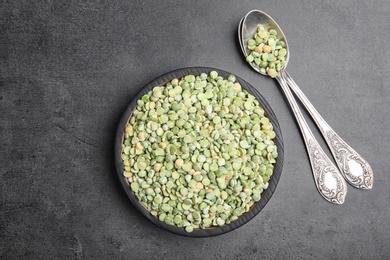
x: 322, y: 167
x: 346, y: 157
x: 352, y: 165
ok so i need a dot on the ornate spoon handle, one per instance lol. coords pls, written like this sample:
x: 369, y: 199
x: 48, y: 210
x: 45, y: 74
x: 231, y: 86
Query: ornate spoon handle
x: 353, y: 167
x: 327, y: 177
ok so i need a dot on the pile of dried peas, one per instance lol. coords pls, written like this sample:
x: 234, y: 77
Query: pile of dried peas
x: 268, y: 52
x: 198, y: 151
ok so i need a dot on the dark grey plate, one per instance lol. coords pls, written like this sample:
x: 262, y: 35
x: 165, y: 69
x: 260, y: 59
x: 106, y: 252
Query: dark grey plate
x: 212, y: 231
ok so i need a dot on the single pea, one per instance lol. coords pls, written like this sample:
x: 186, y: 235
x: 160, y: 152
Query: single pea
x: 189, y: 229
x: 244, y: 144
x: 189, y: 78
x: 196, y: 214
x: 232, y: 78
x: 149, y: 191
x: 206, y: 181
x: 165, y: 207
x: 213, y: 74
x: 187, y: 166
x: 220, y: 221
x: 267, y: 49
x: 187, y: 139
x: 184, y: 191
x: 177, y: 219
x: 179, y: 162
x: 175, y: 175
x: 263, y: 34
x: 201, y: 158
x: 251, y: 42
x: 158, y: 199
x: 281, y: 43
x: 168, y: 220
x: 272, y: 32
x: 237, y: 163
x: 217, y: 120
x: 272, y: 73
x: 134, y: 186
x: 198, y: 177
x: 250, y: 58
x: 271, y: 57
x: 278, y: 67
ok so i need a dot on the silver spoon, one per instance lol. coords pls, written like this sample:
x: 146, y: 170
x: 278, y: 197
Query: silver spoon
x: 353, y: 167
x: 327, y: 178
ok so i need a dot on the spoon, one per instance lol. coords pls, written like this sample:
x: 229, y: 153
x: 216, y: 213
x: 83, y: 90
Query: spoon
x: 328, y: 179
x: 353, y: 167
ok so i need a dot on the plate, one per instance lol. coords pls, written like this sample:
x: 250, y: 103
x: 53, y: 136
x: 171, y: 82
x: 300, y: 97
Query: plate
x: 211, y: 231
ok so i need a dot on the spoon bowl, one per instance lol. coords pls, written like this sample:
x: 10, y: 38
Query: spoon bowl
x: 248, y: 27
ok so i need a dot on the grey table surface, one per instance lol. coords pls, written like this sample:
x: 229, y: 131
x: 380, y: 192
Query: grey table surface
x: 70, y: 68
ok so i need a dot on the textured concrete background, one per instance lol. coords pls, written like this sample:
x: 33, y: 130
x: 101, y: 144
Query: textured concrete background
x: 69, y: 69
